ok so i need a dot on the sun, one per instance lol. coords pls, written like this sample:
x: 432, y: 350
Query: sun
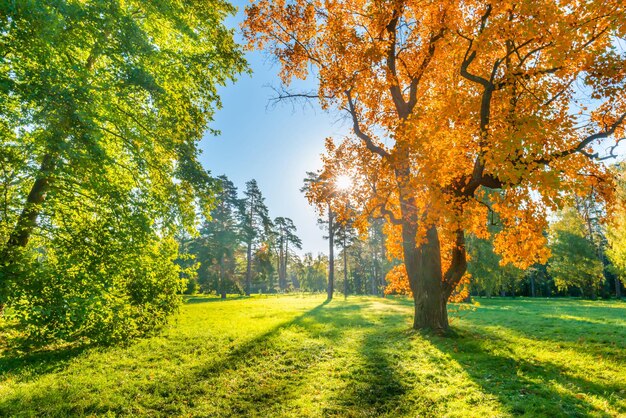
x: 343, y: 182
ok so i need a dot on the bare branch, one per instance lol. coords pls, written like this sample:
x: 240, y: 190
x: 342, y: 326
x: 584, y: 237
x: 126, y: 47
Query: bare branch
x: 580, y: 147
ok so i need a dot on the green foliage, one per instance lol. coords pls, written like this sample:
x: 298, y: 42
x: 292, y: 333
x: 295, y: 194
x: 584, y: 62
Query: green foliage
x: 102, y: 106
x: 100, y: 294
x: 300, y: 357
x: 574, y: 261
x: 312, y: 273
x: 220, y: 239
x: 616, y: 230
x: 488, y: 276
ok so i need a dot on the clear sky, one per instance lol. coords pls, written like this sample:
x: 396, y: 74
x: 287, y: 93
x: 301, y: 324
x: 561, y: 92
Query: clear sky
x: 276, y: 145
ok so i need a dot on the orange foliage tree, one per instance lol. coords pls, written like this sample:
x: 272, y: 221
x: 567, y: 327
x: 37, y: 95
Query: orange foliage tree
x: 449, y: 100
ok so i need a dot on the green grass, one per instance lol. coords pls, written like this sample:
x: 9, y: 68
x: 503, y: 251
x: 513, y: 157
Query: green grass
x: 297, y: 356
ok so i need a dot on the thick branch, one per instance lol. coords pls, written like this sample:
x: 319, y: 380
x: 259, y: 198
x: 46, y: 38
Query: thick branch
x: 369, y: 142
x: 458, y: 265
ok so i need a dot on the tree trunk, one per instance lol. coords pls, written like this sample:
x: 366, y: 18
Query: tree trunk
x: 423, y: 267
x: 27, y: 220
x: 345, y: 268
x: 222, y: 284
x: 281, y: 284
x: 331, y: 256
x: 618, y: 289
x: 383, y: 257
x: 285, y: 262
x: 278, y: 267
x: 374, y: 279
x: 249, y: 269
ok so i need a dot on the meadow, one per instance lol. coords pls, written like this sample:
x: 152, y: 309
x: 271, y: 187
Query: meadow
x: 298, y: 356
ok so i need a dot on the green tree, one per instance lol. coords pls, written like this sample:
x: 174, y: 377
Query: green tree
x: 330, y: 224
x: 616, y: 232
x: 285, y: 236
x: 488, y: 275
x: 311, y: 272
x: 102, y: 105
x: 346, y: 237
x: 258, y: 225
x: 220, y: 237
x: 574, y: 261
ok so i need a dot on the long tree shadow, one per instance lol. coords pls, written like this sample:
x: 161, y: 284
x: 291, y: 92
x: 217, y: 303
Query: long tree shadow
x: 282, y: 357
x: 182, y: 391
x: 523, y: 386
x: 565, y: 324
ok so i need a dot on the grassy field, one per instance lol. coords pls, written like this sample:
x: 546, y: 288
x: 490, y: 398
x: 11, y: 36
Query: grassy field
x: 298, y: 356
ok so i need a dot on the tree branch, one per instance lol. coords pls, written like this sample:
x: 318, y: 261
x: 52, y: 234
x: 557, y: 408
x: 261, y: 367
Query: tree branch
x: 369, y: 142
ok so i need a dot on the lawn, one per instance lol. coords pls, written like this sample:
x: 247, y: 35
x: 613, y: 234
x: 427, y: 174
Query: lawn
x: 298, y: 356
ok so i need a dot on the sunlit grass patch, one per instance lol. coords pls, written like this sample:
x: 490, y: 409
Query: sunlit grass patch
x: 299, y: 356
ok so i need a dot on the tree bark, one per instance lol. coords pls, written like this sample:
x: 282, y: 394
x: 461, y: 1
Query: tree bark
x: 331, y: 256
x: 618, y: 289
x: 423, y: 265
x: 374, y: 278
x: 27, y: 220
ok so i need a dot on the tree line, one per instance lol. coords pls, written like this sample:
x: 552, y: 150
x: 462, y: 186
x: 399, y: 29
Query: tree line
x: 586, y: 260
x: 240, y: 249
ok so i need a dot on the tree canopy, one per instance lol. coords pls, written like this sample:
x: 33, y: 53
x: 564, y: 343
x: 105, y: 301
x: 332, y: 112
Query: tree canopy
x: 102, y: 106
x: 448, y: 99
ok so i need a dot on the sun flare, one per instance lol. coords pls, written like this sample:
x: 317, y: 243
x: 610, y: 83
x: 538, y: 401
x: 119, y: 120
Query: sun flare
x: 343, y: 182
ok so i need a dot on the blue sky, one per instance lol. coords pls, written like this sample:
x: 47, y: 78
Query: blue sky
x: 276, y: 145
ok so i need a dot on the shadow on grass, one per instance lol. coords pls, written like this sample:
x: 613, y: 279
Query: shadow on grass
x: 526, y: 386
x: 266, y: 375
x: 522, y: 386
x: 32, y: 365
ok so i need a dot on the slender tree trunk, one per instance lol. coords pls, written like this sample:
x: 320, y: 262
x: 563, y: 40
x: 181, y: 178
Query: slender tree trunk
x: 249, y: 269
x: 618, y: 289
x: 383, y: 273
x: 286, y: 260
x: 222, y: 281
x: 331, y: 255
x: 278, y: 266
x: 345, y: 267
x: 532, y: 285
x: 373, y: 289
x: 249, y: 249
x: 281, y: 285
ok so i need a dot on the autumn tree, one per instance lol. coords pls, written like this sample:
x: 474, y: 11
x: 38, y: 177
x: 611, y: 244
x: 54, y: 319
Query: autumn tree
x: 102, y: 107
x: 448, y: 99
x: 257, y: 225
